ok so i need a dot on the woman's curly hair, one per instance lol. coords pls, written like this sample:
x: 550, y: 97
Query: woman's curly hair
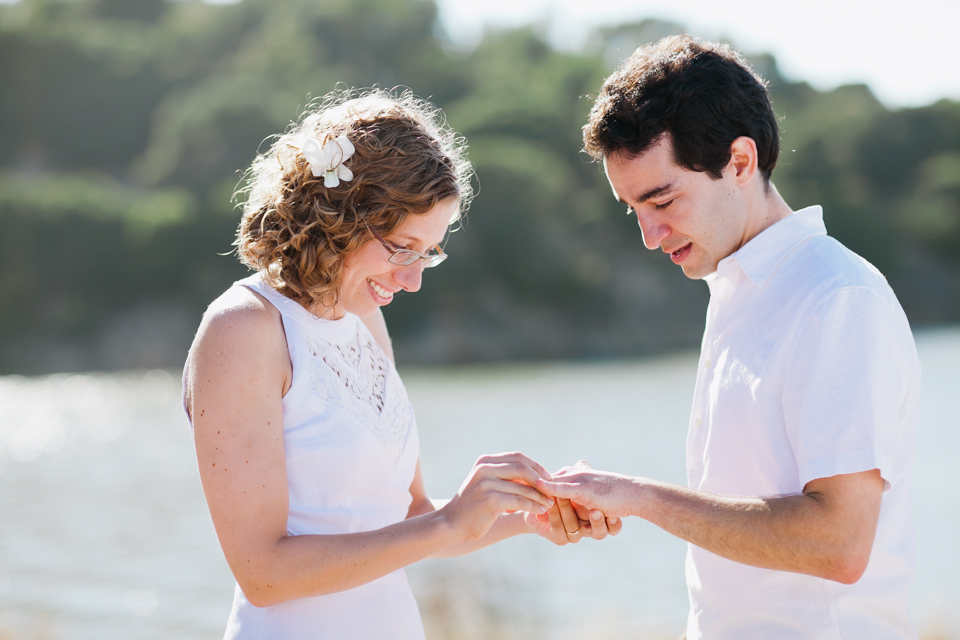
x: 296, y: 231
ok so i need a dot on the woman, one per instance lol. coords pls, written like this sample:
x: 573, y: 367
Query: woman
x: 305, y: 438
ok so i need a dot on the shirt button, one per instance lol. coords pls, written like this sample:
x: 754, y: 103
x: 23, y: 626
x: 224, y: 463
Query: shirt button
x: 698, y: 421
x: 707, y: 363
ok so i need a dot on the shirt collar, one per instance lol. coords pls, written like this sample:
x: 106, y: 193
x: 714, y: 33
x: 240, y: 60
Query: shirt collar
x: 764, y: 252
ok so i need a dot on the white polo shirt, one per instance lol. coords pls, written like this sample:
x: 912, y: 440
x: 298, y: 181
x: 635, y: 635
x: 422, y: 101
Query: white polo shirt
x: 807, y: 370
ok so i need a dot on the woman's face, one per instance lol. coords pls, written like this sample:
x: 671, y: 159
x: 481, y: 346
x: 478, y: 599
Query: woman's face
x: 370, y: 280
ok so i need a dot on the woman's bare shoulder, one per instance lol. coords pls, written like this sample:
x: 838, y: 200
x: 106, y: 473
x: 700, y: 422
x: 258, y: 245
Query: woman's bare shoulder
x: 240, y: 308
x: 241, y: 335
x: 240, y: 323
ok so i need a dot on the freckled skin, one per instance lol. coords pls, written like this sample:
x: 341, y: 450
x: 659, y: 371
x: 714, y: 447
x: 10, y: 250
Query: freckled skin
x: 370, y: 263
x: 242, y: 347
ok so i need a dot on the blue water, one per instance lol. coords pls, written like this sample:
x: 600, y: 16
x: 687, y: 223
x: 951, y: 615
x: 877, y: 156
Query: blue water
x: 104, y: 532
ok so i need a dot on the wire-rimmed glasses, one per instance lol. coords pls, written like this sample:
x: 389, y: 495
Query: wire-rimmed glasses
x: 406, y: 257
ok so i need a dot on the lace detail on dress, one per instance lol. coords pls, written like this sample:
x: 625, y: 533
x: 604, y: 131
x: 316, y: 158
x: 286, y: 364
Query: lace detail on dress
x: 353, y: 376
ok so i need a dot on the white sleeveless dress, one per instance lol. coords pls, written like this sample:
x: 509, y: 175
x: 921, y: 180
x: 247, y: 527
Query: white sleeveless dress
x: 351, y: 451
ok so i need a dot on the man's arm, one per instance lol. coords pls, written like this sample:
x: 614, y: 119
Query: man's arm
x: 827, y: 531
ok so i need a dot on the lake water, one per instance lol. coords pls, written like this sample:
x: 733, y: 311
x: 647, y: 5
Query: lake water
x: 104, y: 532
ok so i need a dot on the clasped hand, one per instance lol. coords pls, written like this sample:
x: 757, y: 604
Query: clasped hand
x: 506, y: 483
x: 568, y: 520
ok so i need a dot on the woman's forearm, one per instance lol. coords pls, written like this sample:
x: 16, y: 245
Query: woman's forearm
x: 312, y: 565
x: 506, y: 526
x: 276, y: 568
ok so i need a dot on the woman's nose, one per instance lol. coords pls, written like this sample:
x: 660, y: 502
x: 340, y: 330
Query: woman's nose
x: 409, y: 277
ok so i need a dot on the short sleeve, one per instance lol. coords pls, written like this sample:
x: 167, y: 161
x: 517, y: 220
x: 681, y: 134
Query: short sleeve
x: 847, y: 381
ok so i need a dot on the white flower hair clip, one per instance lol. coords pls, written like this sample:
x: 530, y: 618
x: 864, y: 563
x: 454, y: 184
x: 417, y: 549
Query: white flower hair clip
x: 327, y: 160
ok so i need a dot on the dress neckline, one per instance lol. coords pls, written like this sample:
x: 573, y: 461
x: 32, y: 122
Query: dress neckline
x: 335, y: 331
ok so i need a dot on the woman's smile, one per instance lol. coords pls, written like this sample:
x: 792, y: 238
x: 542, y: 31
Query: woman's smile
x: 362, y: 293
x: 384, y: 295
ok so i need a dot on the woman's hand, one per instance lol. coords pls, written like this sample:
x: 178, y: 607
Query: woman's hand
x: 550, y: 525
x: 497, y: 484
x: 567, y: 521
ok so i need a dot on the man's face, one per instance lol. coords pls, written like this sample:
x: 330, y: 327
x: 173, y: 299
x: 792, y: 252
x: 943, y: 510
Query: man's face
x: 695, y: 219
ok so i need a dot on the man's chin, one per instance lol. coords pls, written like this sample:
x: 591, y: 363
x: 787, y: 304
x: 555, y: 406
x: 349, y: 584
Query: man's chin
x: 697, y: 271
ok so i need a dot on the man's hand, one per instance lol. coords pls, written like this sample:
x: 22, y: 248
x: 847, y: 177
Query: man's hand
x: 600, y: 492
x: 569, y: 521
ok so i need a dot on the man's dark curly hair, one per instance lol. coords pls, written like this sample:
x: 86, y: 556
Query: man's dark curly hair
x: 703, y: 95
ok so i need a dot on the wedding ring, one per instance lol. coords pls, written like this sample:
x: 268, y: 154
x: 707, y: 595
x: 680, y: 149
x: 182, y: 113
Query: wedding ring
x: 570, y: 533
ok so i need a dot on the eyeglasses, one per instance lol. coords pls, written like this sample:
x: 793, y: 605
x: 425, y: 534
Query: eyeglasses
x: 406, y: 257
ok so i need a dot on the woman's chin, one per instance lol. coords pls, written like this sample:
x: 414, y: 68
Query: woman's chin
x: 363, y: 309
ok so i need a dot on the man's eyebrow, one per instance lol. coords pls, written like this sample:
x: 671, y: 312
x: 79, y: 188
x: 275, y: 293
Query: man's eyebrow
x: 658, y: 191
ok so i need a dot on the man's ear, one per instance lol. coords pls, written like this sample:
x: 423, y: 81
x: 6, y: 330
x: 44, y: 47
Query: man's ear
x: 743, y: 160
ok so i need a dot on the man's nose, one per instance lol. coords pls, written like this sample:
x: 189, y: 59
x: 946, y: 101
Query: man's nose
x: 653, y: 231
x: 409, y: 277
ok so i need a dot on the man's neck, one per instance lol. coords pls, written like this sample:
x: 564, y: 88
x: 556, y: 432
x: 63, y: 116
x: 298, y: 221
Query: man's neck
x: 766, y: 207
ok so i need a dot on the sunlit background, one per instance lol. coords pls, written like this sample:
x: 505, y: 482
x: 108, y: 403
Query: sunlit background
x: 902, y: 50
x: 124, y: 125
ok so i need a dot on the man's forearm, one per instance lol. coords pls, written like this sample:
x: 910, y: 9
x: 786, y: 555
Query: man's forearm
x: 798, y: 533
x: 827, y: 531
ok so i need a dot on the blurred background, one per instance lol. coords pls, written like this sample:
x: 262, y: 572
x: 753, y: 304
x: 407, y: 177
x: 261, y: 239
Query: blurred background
x: 124, y: 127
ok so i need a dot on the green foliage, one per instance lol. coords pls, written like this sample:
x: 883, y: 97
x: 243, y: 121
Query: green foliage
x: 125, y: 126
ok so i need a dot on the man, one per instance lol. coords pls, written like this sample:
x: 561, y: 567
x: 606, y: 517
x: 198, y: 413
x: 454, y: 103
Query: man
x: 801, y: 438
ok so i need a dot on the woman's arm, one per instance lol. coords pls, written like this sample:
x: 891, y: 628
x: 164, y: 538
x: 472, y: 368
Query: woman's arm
x: 239, y: 371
